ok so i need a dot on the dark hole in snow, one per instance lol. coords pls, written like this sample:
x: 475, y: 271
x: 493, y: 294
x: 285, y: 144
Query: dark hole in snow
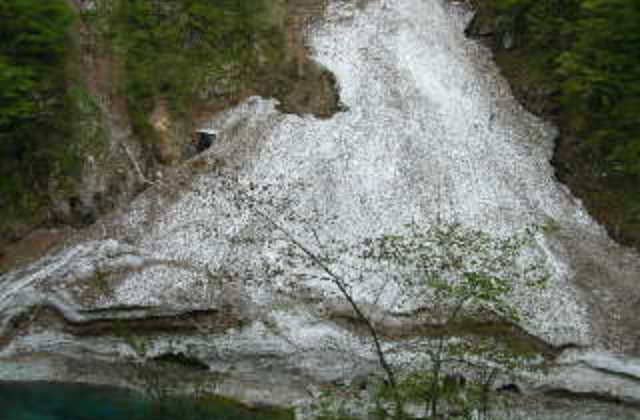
x: 182, y: 359
x: 509, y: 388
x: 205, y: 139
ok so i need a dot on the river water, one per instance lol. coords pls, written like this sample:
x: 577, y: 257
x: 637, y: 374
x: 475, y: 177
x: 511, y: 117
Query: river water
x: 58, y: 401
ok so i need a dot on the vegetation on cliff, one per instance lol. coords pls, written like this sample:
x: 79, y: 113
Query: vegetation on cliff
x: 449, y: 280
x: 70, y: 80
x: 593, y: 48
x: 33, y: 98
x: 176, y: 50
x: 578, y: 61
x: 180, y: 52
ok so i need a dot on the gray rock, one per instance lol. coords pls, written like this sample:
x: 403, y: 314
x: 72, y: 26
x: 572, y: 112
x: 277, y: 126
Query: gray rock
x: 189, y: 268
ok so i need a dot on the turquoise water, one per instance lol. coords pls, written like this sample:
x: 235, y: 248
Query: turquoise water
x: 53, y: 401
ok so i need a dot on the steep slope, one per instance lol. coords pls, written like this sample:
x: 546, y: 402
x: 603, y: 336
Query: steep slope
x: 135, y: 81
x: 429, y: 134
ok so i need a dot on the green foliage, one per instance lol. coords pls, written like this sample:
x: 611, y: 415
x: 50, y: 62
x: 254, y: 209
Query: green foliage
x: 445, y: 275
x: 591, y: 51
x: 542, y: 23
x: 33, y: 134
x: 32, y: 47
x: 454, y: 267
x: 166, y: 50
x: 207, y: 408
x: 601, y: 78
x: 458, y: 273
x: 16, y: 84
x: 438, y: 275
x: 171, y: 49
x: 327, y: 407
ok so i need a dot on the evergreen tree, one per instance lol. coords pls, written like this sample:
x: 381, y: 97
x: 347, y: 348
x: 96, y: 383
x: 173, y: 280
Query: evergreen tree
x: 33, y: 95
x: 592, y: 47
x: 32, y: 48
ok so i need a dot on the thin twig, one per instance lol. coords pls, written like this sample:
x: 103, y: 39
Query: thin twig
x: 136, y: 166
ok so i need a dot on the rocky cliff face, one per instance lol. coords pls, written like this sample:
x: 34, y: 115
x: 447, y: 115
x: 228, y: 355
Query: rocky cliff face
x: 429, y: 133
x: 117, y: 161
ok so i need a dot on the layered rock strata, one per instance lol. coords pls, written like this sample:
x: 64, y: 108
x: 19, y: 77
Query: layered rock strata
x: 429, y: 134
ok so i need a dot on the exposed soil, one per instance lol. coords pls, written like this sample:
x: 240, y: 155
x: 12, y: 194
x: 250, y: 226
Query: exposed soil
x: 32, y: 246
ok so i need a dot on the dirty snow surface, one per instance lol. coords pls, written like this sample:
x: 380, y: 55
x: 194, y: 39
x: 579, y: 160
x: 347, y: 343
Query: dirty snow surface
x: 429, y: 134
